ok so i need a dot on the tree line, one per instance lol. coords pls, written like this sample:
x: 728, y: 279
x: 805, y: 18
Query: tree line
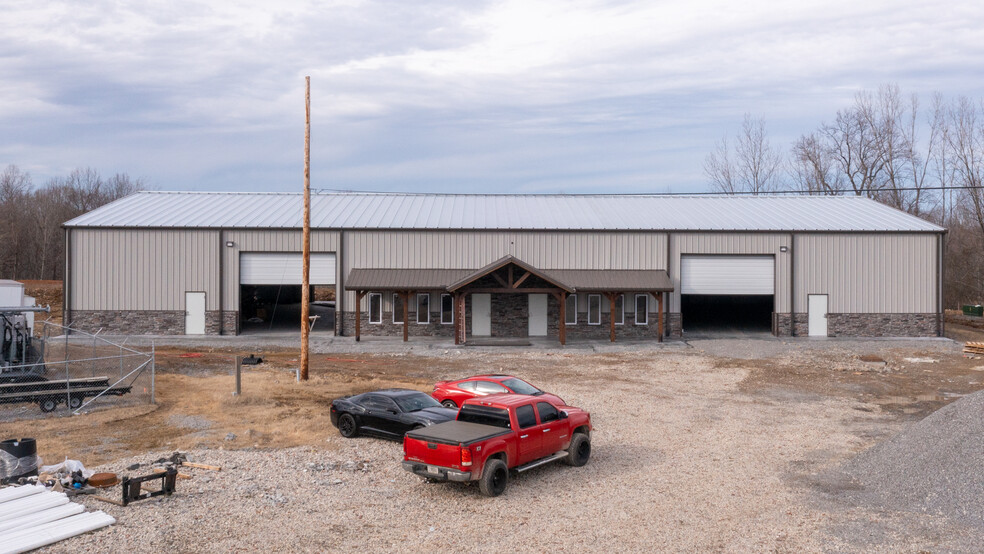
x: 928, y: 162
x: 32, y: 241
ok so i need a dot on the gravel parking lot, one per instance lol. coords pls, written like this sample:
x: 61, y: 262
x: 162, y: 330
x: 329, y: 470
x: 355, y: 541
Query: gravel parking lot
x: 691, y: 452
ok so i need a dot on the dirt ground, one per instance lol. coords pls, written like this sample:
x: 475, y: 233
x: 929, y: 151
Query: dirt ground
x: 694, y: 450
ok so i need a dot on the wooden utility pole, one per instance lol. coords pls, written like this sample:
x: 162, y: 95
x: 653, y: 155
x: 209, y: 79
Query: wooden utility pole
x: 306, y: 254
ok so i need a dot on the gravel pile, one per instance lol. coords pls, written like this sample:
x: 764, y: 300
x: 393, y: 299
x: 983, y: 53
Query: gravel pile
x: 935, y: 466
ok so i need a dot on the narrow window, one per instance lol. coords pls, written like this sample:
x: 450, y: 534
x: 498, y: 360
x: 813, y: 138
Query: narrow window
x: 642, y: 309
x: 570, y: 312
x: 447, y: 309
x: 525, y: 416
x: 618, y: 310
x: 375, y: 307
x: 423, y: 308
x: 398, y: 309
x: 594, y: 309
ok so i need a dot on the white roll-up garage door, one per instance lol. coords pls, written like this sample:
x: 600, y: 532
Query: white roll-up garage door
x: 734, y: 275
x: 284, y: 268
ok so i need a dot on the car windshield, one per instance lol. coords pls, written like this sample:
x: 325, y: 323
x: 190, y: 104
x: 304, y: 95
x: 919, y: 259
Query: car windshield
x: 416, y: 402
x: 521, y: 387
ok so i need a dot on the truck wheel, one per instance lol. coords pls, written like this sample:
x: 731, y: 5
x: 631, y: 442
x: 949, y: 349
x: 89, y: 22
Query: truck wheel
x: 579, y: 451
x: 495, y: 476
x: 74, y: 402
x: 347, y: 426
x: 48, y: 405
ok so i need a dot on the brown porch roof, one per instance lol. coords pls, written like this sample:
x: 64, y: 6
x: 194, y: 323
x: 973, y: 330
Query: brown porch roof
x: 615, y: 280
x: 403, y: 279
x: 503, y: 262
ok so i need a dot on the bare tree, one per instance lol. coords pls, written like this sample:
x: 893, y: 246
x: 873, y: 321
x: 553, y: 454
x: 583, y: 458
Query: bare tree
x: 14, y: 187
x: 965, y: 138
x: 755, y: 166
x: 814, y: 165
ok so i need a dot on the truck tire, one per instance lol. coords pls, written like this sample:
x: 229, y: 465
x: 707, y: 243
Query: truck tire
x: 347, y: 426
x: 494, y: 479
x: 579, y: 451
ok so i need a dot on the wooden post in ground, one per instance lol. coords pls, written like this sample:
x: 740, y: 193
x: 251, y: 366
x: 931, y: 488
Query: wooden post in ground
x: 405, y: 296
x: 306, y: 248
x: 359, y: 295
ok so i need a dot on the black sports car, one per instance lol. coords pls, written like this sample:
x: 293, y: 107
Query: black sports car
x: 388, y: 413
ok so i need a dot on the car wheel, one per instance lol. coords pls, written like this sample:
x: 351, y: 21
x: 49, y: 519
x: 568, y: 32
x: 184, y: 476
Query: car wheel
x: 579, y: 451
x: 347, y: 426
x: 494, y: 479
x: 449, y: 404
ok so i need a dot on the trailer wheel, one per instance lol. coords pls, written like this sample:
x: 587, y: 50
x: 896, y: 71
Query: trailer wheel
x: 48, y: 405
x: 74, y: 402
x: 494, y: 479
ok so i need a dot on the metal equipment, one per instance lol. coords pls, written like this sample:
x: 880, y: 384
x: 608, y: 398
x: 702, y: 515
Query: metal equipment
x: 21, y: 355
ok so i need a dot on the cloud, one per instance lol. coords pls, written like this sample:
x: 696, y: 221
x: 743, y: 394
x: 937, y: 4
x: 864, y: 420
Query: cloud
x: 517, y: 95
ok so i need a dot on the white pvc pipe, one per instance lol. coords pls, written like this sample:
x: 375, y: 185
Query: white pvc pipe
x: 44, y: 516
x: 13, y: 493
x: 48, y: 533
x: 31, y: 504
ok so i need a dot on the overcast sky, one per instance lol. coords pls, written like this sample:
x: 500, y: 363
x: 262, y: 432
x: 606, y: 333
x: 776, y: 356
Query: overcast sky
x: 511, y: 96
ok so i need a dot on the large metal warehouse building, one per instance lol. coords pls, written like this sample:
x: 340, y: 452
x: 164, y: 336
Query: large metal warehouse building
x: 467, y: 266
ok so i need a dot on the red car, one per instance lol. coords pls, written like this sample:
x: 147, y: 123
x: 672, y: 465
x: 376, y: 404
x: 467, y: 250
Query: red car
x: 453, y: 393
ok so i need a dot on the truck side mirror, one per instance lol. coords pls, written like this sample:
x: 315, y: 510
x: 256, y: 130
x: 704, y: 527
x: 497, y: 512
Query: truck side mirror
x: 563, y: 414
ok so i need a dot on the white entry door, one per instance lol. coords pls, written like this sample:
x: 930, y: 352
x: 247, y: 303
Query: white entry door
x: 481, y: 315
x: 538, y: 315
x: 817, y: 314
x: 194, y: 313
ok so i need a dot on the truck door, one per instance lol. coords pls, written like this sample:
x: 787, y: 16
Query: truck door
x: 553, y: 431
x: 528, y: 446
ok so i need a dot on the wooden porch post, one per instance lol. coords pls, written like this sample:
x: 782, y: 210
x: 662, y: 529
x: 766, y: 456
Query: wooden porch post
x: 562, y: 326
x: 460, y: 318
x: 405, y: 295
x: 659, y: 315
x: 359, y: 295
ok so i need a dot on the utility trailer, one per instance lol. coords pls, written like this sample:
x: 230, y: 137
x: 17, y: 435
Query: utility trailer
x: 48, y: 394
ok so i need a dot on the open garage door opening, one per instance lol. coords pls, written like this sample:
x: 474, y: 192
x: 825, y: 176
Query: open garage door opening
x: 727, y: 294
x: 270, y: 292
x: 727, y: 314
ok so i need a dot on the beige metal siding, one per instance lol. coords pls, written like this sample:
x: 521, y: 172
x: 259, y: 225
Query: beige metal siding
x: 115, y: 269
x: 474, y: 249
x: 731, y: 243
x: 267, y: 241
x: 868, y: 273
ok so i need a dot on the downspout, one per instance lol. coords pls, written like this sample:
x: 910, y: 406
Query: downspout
x: 340, y: 287
x: 792, y: 285
x: 221, y: 281
x: 941, y: 270
x: 666, y: 312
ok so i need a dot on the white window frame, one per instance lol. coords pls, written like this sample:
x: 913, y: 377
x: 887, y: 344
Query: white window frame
x: 398, y: 300
x: 442, y: 309
x: 598, y: 320
x: 426, y: 311
x: 645, y: 313
x: 378, y: 320
x: 570, y: 311
x: 611, y: 310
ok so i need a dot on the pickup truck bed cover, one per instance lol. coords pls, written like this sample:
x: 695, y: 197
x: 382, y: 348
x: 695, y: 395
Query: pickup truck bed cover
x: 457, y: 432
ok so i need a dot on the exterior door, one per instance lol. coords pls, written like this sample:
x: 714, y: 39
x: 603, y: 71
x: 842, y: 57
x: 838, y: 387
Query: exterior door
x: 481, y: 315
x: 530, y: 435
x: 817, y: 314
x: 194, y: 313
x: 538, y: 315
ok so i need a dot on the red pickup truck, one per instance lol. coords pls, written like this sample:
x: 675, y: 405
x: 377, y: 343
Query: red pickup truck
x: 495, y: 434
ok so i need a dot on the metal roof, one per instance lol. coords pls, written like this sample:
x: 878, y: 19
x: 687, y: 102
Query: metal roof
x: 621, y: 280
x: 502, y: 212
x: 403, y: 279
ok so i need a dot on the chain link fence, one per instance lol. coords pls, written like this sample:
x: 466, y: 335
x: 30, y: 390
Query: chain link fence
x: 66, y: 371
